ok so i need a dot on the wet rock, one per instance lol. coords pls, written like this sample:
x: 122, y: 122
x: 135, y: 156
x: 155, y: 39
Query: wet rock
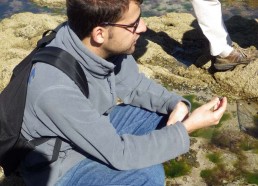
x: 248, y: 116
x: 51, y: 3
x: 241, y: 82
x: 169, y: 50
x: 252, y: 161
x: 175, y: 43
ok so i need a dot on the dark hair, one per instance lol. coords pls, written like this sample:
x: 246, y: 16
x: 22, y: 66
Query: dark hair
x: 84, y: 15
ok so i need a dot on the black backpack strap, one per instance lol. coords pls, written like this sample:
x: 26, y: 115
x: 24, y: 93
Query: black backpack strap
x: 66, y: 63
x: 48, y: 36
x: 13, y: 99
x: 69, y: 65
x: 38, y: 141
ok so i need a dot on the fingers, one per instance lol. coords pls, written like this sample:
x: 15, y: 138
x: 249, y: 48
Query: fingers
x: 216, y: 103
x: 219, y: 110
x: 221, y: 107
x: 211, y: 104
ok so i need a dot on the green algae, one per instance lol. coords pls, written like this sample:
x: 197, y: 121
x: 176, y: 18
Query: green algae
x: 207, y: 174
x: 206, y: 133
x: 176, y: 168
x: 214, y: 157
x: 226, y: 116
x: 251, y: 178
x: 219, y: 175
x: 212, y: 176
x: 236, y: 144
x: 249, y: 144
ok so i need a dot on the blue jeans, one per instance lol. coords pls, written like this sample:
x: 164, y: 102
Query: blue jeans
x: 127, y: 120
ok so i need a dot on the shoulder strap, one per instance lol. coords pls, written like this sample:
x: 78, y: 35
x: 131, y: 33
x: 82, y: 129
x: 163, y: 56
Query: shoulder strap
x: 69, y: 65
x: 66, y: 63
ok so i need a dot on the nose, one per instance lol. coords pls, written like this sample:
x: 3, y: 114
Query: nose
x: 141, y: 27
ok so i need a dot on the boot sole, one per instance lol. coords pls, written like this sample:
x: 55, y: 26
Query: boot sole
x: 224, y: 67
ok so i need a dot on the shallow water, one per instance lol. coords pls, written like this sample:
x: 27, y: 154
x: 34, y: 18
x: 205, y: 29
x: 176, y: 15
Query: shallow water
x: 10, y: 7
x: 245, y: 8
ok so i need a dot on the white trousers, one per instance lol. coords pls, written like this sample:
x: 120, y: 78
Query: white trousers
x: 209, y: 17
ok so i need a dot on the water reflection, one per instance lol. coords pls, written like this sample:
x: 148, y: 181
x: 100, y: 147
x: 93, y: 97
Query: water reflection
x: 10, y: 7
x: 245, y: 8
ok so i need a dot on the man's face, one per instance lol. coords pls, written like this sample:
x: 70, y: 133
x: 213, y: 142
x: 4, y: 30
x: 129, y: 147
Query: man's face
x: 122, y: 38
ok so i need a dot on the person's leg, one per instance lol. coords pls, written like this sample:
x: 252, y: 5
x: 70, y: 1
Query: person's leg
x: 92, y: 173
x: 127, y: 120
x: 209, y: 17
x: 133, y: 120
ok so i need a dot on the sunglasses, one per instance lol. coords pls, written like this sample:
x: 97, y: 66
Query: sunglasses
x: 132, y: 25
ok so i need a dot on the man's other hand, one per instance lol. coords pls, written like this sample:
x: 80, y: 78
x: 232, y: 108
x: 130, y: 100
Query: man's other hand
x: 179, y: 113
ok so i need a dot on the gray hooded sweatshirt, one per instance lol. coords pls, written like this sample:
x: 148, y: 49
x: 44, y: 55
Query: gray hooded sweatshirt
x: 55, y: 106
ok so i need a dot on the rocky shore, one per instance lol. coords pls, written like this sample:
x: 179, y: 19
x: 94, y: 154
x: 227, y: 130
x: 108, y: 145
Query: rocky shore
x: 175, y: 53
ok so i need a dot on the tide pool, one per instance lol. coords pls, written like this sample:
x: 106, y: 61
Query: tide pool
x: 245, y: 8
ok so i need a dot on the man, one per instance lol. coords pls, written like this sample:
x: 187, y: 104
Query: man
x: 105, y: 143
x: 209, y: 17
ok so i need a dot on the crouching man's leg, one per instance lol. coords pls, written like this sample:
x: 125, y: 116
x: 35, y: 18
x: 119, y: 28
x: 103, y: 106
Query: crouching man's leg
x: 128, y: 119
x: 89, y: 172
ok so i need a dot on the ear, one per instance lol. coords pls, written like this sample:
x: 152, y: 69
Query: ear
x: 98, y: 34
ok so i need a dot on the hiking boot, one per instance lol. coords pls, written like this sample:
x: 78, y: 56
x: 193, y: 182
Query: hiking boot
x: 236, y: 57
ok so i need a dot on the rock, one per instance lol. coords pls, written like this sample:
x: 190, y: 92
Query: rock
x: 170, y: 48
x: 60, y: 4
x: 178, y: 35
x: 18, y: 36
x: 243, y: 80
x: 247, y: 111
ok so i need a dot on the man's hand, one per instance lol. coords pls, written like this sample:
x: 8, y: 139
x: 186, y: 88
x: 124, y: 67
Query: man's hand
x: 206, y: 115
x: 179, y: 113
